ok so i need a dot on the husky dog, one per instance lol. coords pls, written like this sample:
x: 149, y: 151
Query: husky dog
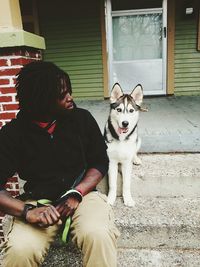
x: 121, y: 135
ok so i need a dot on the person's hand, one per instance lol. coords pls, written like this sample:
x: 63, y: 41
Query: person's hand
x: 67, y: 207
x: 43, y: 216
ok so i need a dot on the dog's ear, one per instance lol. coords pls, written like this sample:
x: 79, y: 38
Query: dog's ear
x: 116, y: 92
x: 137, y: 94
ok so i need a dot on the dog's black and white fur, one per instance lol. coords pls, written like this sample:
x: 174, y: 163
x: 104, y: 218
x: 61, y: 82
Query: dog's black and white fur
x: 121, y: 135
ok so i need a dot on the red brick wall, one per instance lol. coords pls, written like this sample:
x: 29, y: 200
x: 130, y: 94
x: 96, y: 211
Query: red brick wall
x: 11, y: 61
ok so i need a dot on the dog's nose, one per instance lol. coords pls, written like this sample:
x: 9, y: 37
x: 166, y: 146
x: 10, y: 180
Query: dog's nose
x: 125, y: 123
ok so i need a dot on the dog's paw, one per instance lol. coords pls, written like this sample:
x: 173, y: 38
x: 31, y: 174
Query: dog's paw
x: 129, y: 202
x: 111, y: 199
x: 137, y: 161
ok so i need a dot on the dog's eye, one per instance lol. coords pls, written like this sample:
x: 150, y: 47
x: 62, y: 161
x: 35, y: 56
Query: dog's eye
x: 131, y: 110
x: 119, y: 110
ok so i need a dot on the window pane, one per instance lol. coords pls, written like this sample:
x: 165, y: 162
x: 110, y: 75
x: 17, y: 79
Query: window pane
x: 137, y: 37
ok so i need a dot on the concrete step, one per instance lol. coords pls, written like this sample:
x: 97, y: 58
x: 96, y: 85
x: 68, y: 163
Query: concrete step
x: 156, y: 232
x: 63, y: 255
x: 159, y: 223
x: 130, y: 257
x: 158, y: 258
x: 163, y: 175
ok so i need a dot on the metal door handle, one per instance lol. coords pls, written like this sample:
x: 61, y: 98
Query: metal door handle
x: 165, y: 32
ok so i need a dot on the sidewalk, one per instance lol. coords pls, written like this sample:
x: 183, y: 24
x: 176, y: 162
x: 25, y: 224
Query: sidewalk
x: 172, y: 124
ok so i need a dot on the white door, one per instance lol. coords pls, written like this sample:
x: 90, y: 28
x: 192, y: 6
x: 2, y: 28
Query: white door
x: 137, y: 49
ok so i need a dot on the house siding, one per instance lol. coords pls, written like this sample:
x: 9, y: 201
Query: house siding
x: 187, y: 58
x: 74, y: 43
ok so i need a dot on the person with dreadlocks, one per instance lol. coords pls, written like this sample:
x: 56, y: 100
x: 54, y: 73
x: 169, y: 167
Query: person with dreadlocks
x: 58, y: 149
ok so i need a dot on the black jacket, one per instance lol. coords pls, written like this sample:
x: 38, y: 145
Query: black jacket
x: 50, y: 164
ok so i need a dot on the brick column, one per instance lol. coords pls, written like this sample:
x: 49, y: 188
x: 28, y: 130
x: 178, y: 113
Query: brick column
x: 11, y: 61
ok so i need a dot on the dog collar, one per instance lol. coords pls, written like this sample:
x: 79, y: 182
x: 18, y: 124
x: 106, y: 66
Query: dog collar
x: 112, y: 130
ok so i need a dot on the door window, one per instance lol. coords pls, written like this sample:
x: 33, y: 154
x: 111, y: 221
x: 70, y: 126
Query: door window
x: 137, y: 50
x: 137, y: 42
x: 137, y: 37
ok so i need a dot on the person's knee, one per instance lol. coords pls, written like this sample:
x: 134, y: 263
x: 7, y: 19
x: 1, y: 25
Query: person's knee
x: 91, y: 236
x: 25, y: 251
x: 20, y: 255
x: 97, y: 236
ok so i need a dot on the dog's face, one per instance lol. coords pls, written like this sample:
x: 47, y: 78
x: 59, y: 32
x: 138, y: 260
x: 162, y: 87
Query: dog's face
x: 125, y: 108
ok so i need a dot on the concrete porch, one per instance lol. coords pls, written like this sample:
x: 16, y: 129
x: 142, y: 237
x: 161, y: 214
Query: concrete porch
x: 163, y: 228
x: 172, y: 124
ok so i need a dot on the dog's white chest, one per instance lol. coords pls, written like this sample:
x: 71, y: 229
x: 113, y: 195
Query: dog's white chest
x: 121, y: 150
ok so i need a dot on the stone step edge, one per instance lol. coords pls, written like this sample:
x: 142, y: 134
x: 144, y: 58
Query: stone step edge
x: 158, y: 211
x: 159, y: 222
x: 127, y: 257
x: 177, y: 250
x: 158, y: 258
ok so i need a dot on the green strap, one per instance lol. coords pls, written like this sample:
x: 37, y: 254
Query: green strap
x: 66, y: 230
x: 42, y: 202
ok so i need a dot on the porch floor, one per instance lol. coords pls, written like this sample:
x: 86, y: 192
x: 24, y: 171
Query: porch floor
x: 172, y: 124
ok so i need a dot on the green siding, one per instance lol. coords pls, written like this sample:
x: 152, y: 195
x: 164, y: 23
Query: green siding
x: 187, y: 58
x: 73, y: 42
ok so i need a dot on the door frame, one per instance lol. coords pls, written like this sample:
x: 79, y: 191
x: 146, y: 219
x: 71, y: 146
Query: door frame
x: 109, y: 14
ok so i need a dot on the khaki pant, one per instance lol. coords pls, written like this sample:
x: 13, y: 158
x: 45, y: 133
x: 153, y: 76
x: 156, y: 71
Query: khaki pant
x: 92, y: 230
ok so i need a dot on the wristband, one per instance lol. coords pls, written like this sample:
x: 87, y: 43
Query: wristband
x: 27, y: 207
x: 75, y: 193
x: 71, y: 192
x: 80, y: 191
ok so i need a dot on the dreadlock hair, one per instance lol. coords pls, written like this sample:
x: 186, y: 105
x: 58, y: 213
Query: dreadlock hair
x: 39, y: 85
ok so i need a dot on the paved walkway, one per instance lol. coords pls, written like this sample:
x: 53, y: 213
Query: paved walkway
x: 172, y: 124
